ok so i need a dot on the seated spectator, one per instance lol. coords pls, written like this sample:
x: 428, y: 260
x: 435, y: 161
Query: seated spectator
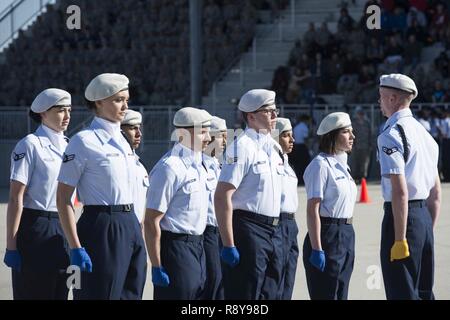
x: 310, y: 35
x: 322, y: 36
x: 345, y: 22
x: 442, y: 64
x: 333, y: 70
x: 374, y: 52
x: 298, y: 81
x: 419, y: 16
x: 418, y: 31
x: 398, y: 20
x: 413, y: 50
x: 439, y: 94
x: 280, y: 82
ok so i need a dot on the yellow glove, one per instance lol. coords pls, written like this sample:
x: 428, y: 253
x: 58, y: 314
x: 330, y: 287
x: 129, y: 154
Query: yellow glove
x: 399, y: 250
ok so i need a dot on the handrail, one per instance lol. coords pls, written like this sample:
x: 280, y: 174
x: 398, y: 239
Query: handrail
x: 235, y: 60
x: 10, y: 8
x: 9, y: 11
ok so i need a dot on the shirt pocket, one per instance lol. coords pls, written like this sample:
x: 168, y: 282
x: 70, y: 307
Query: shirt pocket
x: 261, y: 171
x: 191, y: 194
x: 261, y: 167
x: 190, y: 186
x: 281, y: 170
x: 211, y: 184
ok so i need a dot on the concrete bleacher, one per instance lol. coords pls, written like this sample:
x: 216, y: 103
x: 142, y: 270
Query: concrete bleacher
x: 271, y: 48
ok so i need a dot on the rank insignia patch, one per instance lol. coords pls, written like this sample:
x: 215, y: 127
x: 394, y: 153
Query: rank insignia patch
x: 390, y: 151
x: 68, y: 157
x: 18, y: 156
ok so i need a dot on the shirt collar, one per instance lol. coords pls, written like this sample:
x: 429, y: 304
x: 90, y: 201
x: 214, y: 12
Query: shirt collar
x: 259, y: 138
x: 210, y: 161
x: 48, y: 136
x: 337, y: 159
x: 43, y: 137
x: 396, y: 116
x: 105, y: 129
x: 188, y: 156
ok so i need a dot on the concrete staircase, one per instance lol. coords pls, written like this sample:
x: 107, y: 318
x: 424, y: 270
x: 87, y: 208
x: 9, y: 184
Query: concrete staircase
x: 271, y: 48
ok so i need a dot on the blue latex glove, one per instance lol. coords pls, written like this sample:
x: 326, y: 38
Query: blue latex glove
x: 230, y: 255
x: 80, y: 258
x: 317, y: 259
x: 13, y: 259
x: 160, y: 277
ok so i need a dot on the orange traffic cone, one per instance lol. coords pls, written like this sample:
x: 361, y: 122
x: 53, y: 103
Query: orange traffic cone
x: 364, y: 192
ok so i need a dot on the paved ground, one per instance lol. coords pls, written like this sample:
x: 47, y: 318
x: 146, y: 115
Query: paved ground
x: 366, y: 282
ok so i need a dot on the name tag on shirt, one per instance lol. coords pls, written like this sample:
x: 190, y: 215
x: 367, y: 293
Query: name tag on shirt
x: 112, y: 154
x: 340, y: 178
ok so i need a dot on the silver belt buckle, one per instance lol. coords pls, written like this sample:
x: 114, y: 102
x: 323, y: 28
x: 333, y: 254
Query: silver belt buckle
x: 275, y: 221
x: 349, y: 220
x: 127, y: 208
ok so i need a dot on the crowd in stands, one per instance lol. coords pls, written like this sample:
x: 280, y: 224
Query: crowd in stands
x: 350, y: 60
x: 146, y: 40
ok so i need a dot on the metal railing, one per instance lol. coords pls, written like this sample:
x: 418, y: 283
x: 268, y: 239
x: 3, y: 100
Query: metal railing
x: 19, y: 15
x: 157, y: 125
x: 157, y: 120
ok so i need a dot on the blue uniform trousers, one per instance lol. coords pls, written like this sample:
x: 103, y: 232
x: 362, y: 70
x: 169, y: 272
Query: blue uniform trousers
x: 212, y: 245
x: 411, y: 278
x: 183, y: 257
x: 44, y: 251
x: 112, y: 236
x: 290, y: 247
x: 338, y: 242
x: 258, y: 275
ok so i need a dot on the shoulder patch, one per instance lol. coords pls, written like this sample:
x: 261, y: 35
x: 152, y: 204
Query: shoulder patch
x: 18, y: 156
x: 68, y: 157
x: 389, y: 151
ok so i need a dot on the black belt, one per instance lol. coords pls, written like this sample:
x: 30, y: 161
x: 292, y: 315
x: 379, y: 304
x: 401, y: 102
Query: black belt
x: 212, y: 229
x: 41, y: 213
x: 272, y: 221
x: 328, y: 220
x: 125, y: 208
x: 181, y: 236
x: 287, y: 215
x: 411, y: 204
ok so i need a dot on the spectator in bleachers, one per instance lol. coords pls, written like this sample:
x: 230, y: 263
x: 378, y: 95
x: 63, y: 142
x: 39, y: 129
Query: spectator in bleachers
x: 333, y: 71
x: 345, y: 22
x: 374, y: 52
x: 157, y: 28
x: 310, y: 35
x: 442, y: 64
x: 439, y: 94
x: 356, y: 45
x: 323, y: 36
x: 420, y: 5
x: 397, y: 21
x: 280, y: 83
x: 439, y: 20
x: 415, y: 15
x: 366, y: 88
x: 413, y: 50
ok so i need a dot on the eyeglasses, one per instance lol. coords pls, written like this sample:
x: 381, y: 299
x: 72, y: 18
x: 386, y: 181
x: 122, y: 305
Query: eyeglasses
x: 269, y: 111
